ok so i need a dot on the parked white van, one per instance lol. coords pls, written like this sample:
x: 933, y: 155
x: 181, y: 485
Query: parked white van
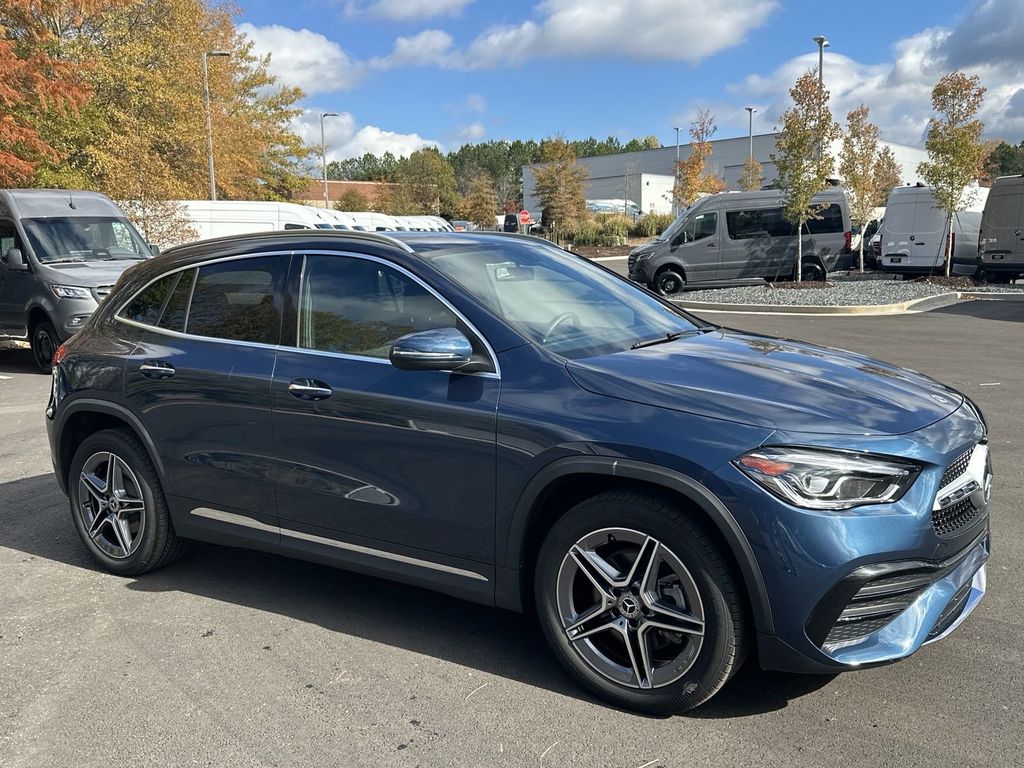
x: 1001, y: 244
x: 914, y: 233
x: 219, y: 218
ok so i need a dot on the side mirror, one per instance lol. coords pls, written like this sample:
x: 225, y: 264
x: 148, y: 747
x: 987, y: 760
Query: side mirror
x: 16, y: 260
x: 154, y: 248
x: 439, y: 349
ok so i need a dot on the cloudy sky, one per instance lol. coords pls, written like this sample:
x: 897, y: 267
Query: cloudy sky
x: 406, y: 73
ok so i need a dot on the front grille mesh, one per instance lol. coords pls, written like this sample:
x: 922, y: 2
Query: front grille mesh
x: 951, y: 519
x: 957, y: 468
x: 632, y: 261
x: 875, y: 604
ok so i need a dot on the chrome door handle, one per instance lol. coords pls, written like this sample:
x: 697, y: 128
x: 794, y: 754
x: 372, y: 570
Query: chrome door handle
x: 157, y: 370
x: 309, y: 389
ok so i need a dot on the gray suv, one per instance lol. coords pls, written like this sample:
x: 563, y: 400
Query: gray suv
x: 61, y: 251
x: 742, y: 238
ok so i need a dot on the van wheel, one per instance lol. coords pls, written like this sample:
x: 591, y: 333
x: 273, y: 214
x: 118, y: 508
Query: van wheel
x: 985, y: 276
x: 44, y: 343
x: 812, y: 271
x: 639, y: 603
x: 668, y: 282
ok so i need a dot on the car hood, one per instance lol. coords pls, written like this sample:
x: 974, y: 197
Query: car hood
x: 773, y: 383
x: 88, y: 274
x: 646, y: 247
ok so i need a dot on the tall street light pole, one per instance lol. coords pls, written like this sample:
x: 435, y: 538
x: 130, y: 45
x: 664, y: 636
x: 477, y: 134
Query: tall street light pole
x: 675, y: 204
x: 323, y: 153
x: 822, y: 45
x: 209, y: 122
x: 750, y: 128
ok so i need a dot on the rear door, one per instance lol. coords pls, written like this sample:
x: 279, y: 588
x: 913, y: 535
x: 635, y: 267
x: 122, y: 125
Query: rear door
x: 200, y: 381
x: 927, y: 242
x: 897, y: 230
x: 1002, y: 233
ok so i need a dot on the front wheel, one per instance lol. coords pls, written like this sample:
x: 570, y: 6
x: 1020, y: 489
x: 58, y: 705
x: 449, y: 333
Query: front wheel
x: 668, y: 282
x: 44, y: 343
x: 639, y: 603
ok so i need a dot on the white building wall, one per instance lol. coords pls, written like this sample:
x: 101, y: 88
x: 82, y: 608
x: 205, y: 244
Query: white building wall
x: 608, y: 173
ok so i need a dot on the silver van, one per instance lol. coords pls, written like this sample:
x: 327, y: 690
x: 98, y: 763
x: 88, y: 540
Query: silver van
x: 61, y: 251
x: 913, y: 238
x: 742, y: 238
x: 1001, y: 245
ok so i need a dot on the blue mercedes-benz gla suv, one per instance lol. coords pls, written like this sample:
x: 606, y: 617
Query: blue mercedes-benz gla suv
x: 492, y: 417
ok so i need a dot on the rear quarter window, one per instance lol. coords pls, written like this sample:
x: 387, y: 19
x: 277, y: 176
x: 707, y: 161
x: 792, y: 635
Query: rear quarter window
x: 830, y: 220
x: 146, y: 306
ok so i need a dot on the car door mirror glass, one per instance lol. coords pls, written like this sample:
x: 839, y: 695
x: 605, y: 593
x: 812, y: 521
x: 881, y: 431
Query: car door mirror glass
x: 439, y: 349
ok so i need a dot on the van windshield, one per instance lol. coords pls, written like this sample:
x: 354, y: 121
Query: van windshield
x: 84, y: 238
x: 675, y: 226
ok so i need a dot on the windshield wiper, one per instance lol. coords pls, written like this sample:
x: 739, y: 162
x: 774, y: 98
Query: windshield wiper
x: 70, y: 260
x: 664, y: 339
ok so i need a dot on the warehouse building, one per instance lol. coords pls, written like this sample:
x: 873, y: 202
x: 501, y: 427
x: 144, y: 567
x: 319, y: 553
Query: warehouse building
x: 645, y: 177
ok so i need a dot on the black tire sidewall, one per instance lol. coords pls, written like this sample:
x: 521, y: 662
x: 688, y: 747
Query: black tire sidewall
x: 669, y: 274
x: 714, y: 659
x: 117, y: 442
x: 37, y: 332
x: 812, y: 272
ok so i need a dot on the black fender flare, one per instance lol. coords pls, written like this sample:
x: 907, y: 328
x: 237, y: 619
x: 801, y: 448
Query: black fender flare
x: 92, y: 405
x: 717, y: 513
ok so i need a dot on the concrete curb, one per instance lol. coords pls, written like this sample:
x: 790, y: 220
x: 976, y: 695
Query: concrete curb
x: 993, y: 295
x: 916, y: 305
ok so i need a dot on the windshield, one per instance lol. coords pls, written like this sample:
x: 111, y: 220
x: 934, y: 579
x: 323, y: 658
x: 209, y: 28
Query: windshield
x: 561, y: 302
x: 84, y: 238
x: 672, y: 228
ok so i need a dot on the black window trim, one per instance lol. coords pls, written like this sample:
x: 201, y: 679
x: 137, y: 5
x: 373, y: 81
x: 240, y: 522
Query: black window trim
x: 496, y: 374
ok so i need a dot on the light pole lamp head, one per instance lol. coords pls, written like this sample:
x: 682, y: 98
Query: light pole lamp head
x: 217, y: 53
x: 329, y: 114
x: 751, y: 110
x: 822, y: 41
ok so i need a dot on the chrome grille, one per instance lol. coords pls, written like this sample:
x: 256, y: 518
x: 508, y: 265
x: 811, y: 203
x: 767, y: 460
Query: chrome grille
x: 631, y: 262
x: 101, y: 292
x: 957, y: 468
x: 951, y: 519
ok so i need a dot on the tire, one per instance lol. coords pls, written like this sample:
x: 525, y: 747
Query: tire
x: 668, y: 282
x: 44, y: 343
x: 994, y: 278
x: 686, y: 669
x: 144, y: 520
x: 812, y: 271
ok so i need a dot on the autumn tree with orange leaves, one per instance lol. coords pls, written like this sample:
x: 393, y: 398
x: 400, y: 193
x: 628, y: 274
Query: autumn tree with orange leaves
x: 692, y: 177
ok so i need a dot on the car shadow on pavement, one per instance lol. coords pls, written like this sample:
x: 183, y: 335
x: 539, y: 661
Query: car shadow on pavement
x: 34, y: 519
x: 17, y: 360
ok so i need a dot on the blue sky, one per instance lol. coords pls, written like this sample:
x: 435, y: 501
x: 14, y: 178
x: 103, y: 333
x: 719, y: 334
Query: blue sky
x: 410, y: 72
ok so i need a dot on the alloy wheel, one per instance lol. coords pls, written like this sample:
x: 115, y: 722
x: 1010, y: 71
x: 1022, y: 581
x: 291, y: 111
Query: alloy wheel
x: 630, y: 608
x: 111, y: 505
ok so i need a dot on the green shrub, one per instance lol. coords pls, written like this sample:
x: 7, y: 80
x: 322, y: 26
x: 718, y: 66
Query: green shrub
x: 650, y: 224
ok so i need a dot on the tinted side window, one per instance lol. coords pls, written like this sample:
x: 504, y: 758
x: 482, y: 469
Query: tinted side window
x: 176, y: 308
x: 8, y: 238
x: 360, y: 307
x: 775, y: 224
x: 146, y: 307
x: 699, y: 227
x: 744, y: 224
x: 239, y: 300
x: 831, y: 221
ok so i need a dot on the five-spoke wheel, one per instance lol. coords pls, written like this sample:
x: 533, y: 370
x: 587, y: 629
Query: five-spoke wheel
x: 110, y: 504
x: 630, y: 607
x: 640, y: 602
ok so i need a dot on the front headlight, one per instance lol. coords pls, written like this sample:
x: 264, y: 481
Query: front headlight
x: 70, y: 292
x: 644, y: 256
x: 819, y: 479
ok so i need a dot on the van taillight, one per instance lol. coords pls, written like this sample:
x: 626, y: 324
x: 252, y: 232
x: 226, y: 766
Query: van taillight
x: 61, y: 352
x: 847, y: 242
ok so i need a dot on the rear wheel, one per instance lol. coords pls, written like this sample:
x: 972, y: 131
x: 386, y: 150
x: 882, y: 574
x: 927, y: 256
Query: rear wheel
x: 44, y: 343
x: 639, y: 603
x: 812, y: 271
x: 118, y: 506
x: 988, y: 276
x: 669, y: 282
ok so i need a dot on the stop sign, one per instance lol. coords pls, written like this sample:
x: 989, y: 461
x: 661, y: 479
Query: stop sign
x: 524, y: 217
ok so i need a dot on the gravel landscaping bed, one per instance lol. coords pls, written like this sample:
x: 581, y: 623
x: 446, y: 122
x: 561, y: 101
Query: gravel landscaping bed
x: 843, y: 294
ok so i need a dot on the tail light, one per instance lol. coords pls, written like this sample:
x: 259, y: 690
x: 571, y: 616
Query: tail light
x: 847, y: 242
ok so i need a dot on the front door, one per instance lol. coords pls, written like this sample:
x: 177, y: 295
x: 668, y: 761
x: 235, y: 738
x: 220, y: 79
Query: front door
x: 697, y: 247
x: 13, y: 285
x: 377, y: 463
x: 200, y: 382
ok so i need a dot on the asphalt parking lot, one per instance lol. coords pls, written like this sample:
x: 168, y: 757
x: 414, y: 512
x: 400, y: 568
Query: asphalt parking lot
x: 235, y: 658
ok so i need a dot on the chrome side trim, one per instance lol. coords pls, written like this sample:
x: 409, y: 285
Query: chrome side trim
x: 236, y: 519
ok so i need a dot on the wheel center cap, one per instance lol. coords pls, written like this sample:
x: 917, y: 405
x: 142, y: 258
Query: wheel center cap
x: 114, y: 505
x: 629, y: 606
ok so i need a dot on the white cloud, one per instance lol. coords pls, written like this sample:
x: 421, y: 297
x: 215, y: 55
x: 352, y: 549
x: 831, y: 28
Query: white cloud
x: 898, y: 93
x: 346, y: 138
x: 299, y: 57
x: 472, y: 133
x: 676, y: 30
x: 405, y: 10
x: 431, y: 46
x: 474, y: 102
